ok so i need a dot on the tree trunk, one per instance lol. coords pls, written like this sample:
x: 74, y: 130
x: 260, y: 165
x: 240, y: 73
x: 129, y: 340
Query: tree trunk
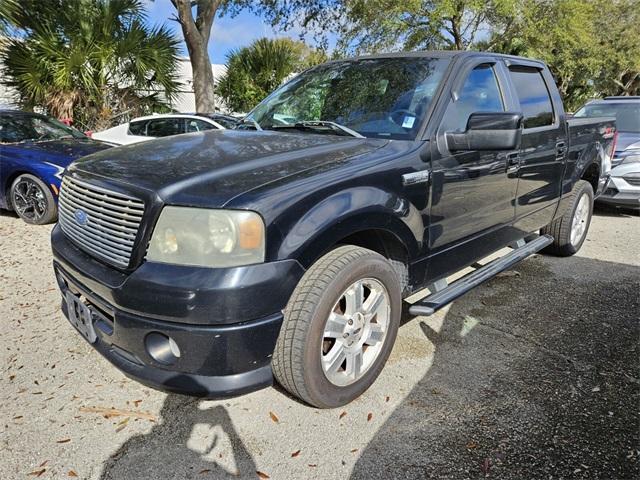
x: 196, y: 36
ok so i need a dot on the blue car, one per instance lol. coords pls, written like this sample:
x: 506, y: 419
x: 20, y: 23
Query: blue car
x: 34, y: 151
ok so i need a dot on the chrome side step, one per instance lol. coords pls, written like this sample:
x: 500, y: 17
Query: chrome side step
x: 444, y: 295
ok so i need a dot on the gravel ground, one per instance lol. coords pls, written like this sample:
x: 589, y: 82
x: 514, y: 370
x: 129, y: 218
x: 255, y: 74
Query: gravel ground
x: 534, y: 375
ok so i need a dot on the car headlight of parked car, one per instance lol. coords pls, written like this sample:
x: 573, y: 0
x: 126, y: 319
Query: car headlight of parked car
x: 629, y: 156
x: 207, y: 238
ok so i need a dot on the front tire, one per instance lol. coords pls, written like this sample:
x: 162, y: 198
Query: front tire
x: 339, y: 327
x: 570, y: 230
x: 32, y: 200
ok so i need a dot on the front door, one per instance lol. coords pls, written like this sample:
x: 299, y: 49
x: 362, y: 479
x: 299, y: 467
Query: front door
x: 472, y: 191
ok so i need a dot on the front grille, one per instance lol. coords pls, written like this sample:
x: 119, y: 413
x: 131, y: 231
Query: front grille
x: 102, y: 222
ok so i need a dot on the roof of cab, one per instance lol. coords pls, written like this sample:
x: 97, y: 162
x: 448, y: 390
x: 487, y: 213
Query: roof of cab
x: 444, y: 54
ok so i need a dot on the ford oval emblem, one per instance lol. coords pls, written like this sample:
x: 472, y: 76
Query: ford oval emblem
x: 81, y: 217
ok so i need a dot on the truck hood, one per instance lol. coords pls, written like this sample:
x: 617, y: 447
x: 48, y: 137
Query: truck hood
x: 209, y: 168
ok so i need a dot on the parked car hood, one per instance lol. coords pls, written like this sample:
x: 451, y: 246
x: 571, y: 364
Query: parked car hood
x: 626, y: 139
x: 57, y: 152
x: 209, y: 168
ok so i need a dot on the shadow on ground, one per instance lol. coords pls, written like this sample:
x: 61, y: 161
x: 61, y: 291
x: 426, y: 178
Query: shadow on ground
x: 173, y: 449
x: 536, y: 375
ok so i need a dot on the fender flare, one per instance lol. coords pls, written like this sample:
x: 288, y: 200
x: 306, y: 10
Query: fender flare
x: 345, y: 213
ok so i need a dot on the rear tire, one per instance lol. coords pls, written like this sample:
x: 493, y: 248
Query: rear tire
x: 339, y: 327
x: 570, y: 230
x: 32, y: 200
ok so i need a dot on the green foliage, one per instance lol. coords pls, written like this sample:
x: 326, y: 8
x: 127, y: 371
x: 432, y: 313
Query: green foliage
x: 591, y: 46
x: 255, y: 71
x: 90, y: 60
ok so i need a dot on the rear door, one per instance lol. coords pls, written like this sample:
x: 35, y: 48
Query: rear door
x: 473, y: 191
x: 544, y: 145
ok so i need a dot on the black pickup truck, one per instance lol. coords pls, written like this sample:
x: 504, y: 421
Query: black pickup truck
x: 210, y: 263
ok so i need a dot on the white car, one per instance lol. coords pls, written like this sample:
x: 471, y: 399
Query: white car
x: 154, y: 126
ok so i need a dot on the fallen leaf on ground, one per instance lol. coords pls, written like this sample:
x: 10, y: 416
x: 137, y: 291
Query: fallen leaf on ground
x: 369, y: 417
x: 64, y: 440
x: 37, y: 473
x: 203, y: 471
x: 274, y: 417
x: 387, y: 399
x: 114, y: 412
x: 295, y: 454
x: 43, y: 463
x: 342, y: 415
x: 71, y: 473
x: 137, y: 402
x: 354, y: 450
x: 313, y: 464
x: 262, y: 474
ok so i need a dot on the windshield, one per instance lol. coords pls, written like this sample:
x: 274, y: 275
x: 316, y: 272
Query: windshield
x: 627, y: 114
x: 22, y: 128
x: 380, y: 98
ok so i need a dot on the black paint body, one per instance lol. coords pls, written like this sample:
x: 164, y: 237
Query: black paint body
x: 315, y: 191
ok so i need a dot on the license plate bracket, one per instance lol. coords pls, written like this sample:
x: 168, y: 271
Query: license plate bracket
x: 80, y: 316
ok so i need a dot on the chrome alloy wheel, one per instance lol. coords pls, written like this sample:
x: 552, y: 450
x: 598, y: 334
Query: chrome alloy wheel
x: 355, y: 331
x: 580, y: 220
x: 29, y: 200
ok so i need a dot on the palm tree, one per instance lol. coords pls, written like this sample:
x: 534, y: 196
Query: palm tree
x: 90, y: 60
x: 254, y: 71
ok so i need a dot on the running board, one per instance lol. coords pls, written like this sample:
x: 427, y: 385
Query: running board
x: 444, y: 295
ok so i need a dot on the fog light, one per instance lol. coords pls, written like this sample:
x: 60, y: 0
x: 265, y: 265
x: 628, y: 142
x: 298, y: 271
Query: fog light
x: 161, y: 348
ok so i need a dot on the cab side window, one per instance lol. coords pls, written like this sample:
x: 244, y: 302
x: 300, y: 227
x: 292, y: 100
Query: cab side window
x: 535, y: 102
x: 480, y: 93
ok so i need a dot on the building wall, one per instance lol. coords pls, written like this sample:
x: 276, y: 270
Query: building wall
x: 186, y: 103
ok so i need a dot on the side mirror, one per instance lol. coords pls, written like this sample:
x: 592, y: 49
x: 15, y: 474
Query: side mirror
x: 488, y: 131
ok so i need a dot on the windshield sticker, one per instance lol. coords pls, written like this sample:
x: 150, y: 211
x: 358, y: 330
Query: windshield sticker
x: 408, y: 122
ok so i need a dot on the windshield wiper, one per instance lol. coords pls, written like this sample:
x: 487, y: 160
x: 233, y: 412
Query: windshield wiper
x: 251, y: 121
x: 314, y: 124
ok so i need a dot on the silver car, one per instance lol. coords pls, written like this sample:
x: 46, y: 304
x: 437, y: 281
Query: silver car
x: 624, y: 187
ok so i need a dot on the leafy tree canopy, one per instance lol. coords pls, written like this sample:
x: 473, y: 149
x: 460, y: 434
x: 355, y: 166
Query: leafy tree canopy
x: 255, y: 71
x: 89, y: 60
x: 591, y: 46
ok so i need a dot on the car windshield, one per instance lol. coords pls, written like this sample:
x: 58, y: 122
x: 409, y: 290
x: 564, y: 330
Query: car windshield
x: 23, y: 128
x: 627, y: 114
x: 377, y: 97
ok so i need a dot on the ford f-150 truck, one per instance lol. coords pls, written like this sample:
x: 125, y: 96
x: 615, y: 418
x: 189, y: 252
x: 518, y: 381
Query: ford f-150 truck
x: 211, y: 263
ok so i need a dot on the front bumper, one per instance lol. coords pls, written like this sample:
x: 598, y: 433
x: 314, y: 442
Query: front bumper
x: 219, y: 321
x: 621, y: 193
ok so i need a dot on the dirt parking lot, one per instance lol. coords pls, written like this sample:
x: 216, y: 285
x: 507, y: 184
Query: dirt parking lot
x: 534, y: 375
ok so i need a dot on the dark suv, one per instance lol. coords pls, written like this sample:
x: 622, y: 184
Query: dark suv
x: 210, y: 263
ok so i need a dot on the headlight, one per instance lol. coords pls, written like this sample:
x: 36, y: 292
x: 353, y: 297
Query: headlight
x: 207, y: 238
x: 631, y: 157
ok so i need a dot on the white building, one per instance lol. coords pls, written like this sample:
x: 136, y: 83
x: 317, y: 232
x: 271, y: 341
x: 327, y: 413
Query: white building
x: 186, y: 102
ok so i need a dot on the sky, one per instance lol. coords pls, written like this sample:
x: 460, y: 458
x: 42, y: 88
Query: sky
x: 227, y: 33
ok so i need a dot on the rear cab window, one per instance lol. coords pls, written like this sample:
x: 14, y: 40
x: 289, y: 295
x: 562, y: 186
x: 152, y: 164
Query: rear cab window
x: 535, y: 101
